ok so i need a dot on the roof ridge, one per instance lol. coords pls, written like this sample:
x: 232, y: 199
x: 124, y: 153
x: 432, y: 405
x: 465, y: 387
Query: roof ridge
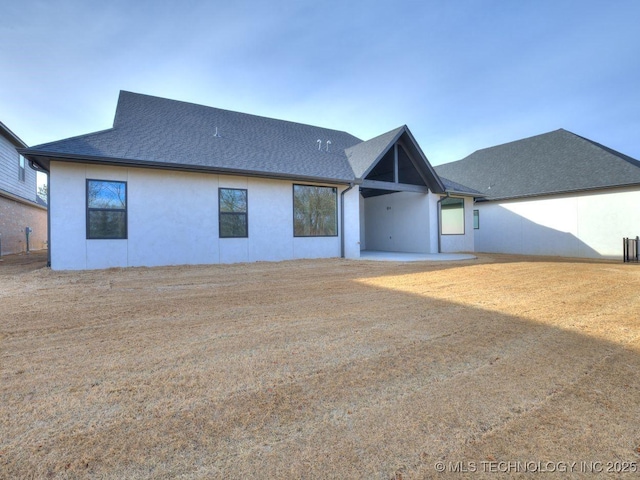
x: 609, y: 150
x: 522, y: 139
x: 198, y: 105
x: 362, y: 142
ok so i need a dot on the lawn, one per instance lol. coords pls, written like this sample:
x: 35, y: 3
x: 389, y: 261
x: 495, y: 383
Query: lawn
x: 320, y: 369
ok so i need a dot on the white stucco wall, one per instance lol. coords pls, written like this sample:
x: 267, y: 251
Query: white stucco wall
x: 465, y: 242
x: 173, y: 220
x: 352, y: 230
x: 398, y: 222
x: 589, y: 225
x: 363, y: 220
x: 433, y: 222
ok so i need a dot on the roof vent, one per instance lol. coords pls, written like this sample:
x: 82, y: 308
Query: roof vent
x: 319, y: 142
x: 216, y: 134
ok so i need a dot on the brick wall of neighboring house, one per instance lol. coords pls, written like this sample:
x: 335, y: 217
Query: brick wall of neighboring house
x: 15, y: 216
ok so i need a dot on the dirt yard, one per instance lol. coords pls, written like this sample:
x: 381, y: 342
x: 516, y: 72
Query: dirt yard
x: 320, y: 369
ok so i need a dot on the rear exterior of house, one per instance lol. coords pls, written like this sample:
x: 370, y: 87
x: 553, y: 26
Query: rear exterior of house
x: 176, y: 183
x: 174, y: 217
x: 19, y: 206
x: 554, y: 194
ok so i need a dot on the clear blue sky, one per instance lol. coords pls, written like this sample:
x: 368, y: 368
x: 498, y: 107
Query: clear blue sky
x: 462, y: 74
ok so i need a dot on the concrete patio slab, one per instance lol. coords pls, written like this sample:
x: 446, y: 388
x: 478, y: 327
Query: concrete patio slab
x: 414, y: 257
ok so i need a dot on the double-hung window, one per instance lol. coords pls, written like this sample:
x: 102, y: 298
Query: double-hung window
x: 106, y: 209
x: 315, y: 211
x: 232, y: 208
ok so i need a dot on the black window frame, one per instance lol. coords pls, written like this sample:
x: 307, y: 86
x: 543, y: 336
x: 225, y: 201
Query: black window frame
x: 476, y: 219
x: 235, y: 214
x: 94, y: 209
x: 335, y: 196
x: 22, y: 170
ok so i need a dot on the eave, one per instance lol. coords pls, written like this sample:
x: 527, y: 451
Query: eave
x: 43, y: 160
x: 559, y: 192
x: 22, y: 200
x: 12, y: 137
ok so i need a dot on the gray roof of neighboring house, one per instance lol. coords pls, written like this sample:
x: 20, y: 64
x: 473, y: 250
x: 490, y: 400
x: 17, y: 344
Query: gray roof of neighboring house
x: 554, y: 162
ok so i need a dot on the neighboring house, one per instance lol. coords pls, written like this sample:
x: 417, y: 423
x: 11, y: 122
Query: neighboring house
x: 179, y: 183
x: 20, y: 207
x: 552, y: 194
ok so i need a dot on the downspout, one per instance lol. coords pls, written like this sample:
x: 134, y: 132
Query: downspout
x: 440, y: 220
x: 342, y: 218
x: 48, y: 220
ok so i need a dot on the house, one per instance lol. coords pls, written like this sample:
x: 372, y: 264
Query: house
x: 552, y: 194
x: 178, y: 183
x: 20, y: 207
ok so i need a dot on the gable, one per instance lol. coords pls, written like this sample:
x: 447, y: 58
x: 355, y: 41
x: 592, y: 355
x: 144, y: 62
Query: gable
x: 396, y: 166
x: 384, y: 170
x: 393, y: 162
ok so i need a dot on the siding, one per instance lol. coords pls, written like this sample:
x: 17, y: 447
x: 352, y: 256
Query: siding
x: 9, y: 173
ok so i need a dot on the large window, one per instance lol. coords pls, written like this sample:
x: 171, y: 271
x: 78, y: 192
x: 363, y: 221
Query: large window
x: 106, y: 209
x: 315, y: 211
x: 21, y: 169
x: 232, y: 203
x: 452, y: 216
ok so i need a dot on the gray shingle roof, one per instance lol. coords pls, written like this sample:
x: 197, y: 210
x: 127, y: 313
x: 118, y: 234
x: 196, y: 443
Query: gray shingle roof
x: 157, y: 132
x: 166, y: 132
x: 363, y: 155
x: 554, y: 162
x: 455, y: 187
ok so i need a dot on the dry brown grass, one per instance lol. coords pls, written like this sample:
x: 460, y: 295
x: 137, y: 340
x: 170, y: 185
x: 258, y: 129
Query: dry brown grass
x: 316, y: 369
